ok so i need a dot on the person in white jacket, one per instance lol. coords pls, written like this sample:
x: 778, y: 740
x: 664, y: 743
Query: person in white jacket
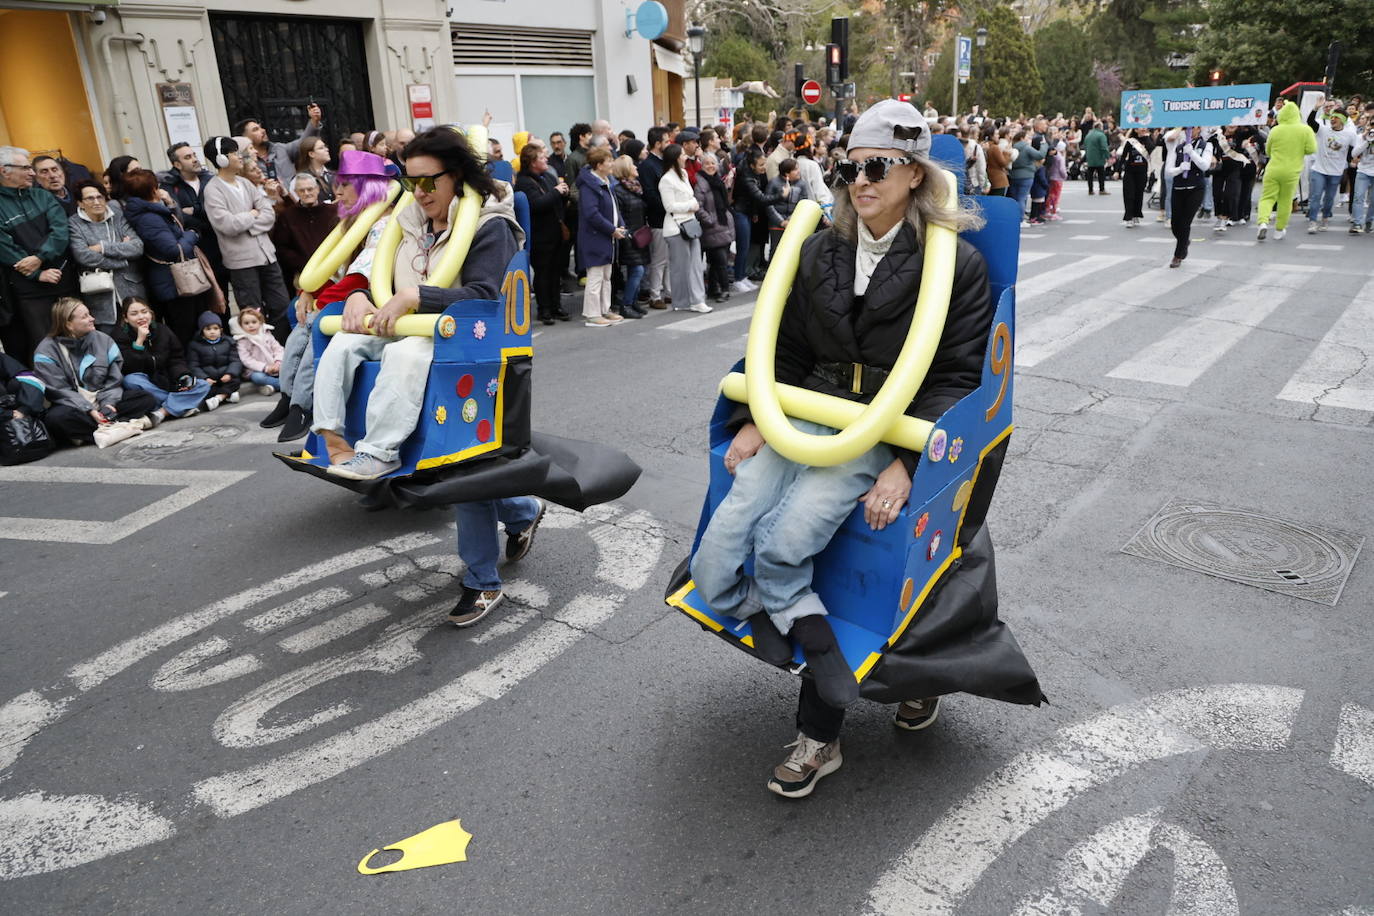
x: 242, y: 217
x: 684, y: 252
x: 1335, y: 138
x: 1362, y: 207
x: 1187, y: 159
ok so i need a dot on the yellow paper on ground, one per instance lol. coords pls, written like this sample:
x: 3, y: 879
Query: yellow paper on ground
x: 441, y: 844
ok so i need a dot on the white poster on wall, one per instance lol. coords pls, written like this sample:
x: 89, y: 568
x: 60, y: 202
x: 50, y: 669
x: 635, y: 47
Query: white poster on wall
x: 182, y: 125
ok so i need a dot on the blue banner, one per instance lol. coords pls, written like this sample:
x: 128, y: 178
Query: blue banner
x: 1201, y: 106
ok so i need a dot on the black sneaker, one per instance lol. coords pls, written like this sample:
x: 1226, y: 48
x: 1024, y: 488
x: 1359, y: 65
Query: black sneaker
x: 297, y: 424
x: 473, y: 606
x: 914, y: 715
x: 517, y: 545
x: 835, y: 682
x: 278, y: 415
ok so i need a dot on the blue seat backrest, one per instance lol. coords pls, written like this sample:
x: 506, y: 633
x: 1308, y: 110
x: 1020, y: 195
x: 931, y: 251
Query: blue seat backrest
x: 522, y: 215
x: 949, y: 152
x: 999, y: 240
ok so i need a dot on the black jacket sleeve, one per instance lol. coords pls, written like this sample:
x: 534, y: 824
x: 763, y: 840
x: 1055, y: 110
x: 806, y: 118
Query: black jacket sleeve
x: 958, y: 365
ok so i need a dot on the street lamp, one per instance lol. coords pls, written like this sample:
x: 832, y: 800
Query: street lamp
x: 981, y: 39
x: 696, y: 43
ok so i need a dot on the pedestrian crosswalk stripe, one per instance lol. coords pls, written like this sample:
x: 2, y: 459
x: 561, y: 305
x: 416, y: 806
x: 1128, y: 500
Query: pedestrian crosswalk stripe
x: 1032, y: 235
x: 1065, y: 276
x: 1186, y: 352
x: 1338, y: 373
x: 1157, y: 241
x: 1078, y: 222
x: 711, y: 320
x: 1314, y: 247
x: 1088, y: 238
x: 1030, y: 257
x: 1047, y: 335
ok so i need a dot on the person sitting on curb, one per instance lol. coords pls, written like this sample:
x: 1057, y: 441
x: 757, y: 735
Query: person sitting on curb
x: 212, y: 356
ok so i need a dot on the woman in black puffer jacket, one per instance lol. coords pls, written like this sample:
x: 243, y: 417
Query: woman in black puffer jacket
x: 629, y: 199
x: 751, y: 199
x: 154, y: 360
x: 717, y: 225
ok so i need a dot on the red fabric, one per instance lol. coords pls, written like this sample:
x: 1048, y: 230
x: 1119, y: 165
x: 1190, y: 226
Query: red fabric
x: 337, y: 292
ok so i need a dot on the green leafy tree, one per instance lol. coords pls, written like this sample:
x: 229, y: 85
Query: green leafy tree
x: 1013, y: 85
x: 1137, y: 37
x: 1284, y: 41
x: 1064, y: 58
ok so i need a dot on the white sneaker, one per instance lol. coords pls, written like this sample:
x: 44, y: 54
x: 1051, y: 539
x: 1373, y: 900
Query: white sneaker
x: 1279, y: 234
x: 212, y: 402
x: 233, y: 397
x: 741, y: 286
x: 701, y: 307
x: 267, y: 391
x: 751, y: 284
x: 1311, y: 228
x: 1321, y: 227
x: 1261, y: 231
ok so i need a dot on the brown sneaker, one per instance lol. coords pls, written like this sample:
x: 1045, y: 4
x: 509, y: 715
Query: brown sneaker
x: 914, y: 715
x: 810, y: 759
x: 473, y: 606
x: 658, y: 304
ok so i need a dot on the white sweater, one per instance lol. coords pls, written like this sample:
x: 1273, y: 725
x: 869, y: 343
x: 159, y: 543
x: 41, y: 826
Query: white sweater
x: 678, y: 202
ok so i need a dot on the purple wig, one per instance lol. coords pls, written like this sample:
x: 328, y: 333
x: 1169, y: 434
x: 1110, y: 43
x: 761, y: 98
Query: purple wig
x: 371, y: 189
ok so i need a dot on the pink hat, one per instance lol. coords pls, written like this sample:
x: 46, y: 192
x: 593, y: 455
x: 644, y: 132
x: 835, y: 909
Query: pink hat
x: 363, y: 164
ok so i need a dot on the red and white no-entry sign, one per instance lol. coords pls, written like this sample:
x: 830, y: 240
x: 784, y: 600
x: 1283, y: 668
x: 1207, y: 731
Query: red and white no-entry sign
x: 811, y: 92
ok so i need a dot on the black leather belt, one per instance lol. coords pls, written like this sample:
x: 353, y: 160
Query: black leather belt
x: 854, y: 377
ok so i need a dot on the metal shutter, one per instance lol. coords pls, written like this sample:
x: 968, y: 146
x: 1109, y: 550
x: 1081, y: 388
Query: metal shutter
x: 503, y: 46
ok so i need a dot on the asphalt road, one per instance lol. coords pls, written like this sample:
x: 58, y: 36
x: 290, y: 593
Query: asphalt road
x: 223, y: 683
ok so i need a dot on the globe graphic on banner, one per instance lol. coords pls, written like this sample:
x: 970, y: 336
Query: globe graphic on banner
x: 1140, y: 109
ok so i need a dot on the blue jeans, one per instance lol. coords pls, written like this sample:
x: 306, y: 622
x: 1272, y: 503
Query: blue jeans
x: 1020, y: 190
x: 176, y: 403
x: 1364, y: 197
x: 741, y: 246
x: 479, y: 545
x: 1322, y: 195
x: 262, y: 378
x: 634, y: 275
x: 783, y: 513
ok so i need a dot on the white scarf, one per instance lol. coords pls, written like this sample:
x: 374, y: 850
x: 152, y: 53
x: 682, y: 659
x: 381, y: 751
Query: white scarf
x: 869, y: 253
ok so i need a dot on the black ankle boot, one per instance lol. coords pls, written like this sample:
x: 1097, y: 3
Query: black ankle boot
x: 835, y: 681
x: 278, y: 415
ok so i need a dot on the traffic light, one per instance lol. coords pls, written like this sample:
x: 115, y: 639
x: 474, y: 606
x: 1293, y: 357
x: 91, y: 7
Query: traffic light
x: 839, y: 36
x: 798, y: 77
x: 834, y: 61
x: 1215, y: 77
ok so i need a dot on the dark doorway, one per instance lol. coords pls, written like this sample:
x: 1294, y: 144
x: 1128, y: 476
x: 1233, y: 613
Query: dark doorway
x: 272, y: 67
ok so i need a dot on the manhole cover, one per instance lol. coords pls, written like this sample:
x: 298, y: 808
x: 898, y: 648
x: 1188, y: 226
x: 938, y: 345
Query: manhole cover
x: 1304, y: 561
x: 162, y: 444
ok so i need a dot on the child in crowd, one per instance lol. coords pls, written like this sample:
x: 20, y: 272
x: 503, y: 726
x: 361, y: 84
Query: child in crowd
x: 213, y: 357
x: 259, y: 351
x: 1039, y: 189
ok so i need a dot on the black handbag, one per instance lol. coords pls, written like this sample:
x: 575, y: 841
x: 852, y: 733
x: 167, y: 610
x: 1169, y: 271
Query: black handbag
x: 22, y: 438
x: 691, y: 229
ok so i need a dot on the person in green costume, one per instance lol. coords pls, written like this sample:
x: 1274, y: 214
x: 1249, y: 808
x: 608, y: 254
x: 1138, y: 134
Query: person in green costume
x: 1288, y: 143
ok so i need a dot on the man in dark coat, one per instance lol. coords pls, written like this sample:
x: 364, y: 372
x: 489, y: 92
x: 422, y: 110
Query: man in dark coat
x: 33, y: 247
x: 185, y: 181
x: 650, y: 173
x: 547, y: 192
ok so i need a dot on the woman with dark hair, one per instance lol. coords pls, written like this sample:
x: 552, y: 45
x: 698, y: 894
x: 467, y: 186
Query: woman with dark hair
x: 1133, y: 155
x: 81, y: 370
x: 116, y: 177
x: 165, y: 243
x: 547, y: 194
x: 751, y: 200
x: 439, y: 165
x: 718, y: 227
x: 154, y: 360
x: 314, y: 159
x: 684, y: 246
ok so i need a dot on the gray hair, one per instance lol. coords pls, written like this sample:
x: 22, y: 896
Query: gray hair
x: 10, y: 153
x: 304, y: 176
x: 598, y: 140
x: 928, y: 204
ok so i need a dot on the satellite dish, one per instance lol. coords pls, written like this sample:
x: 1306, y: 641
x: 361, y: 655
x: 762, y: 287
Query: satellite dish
x: 650, y: 20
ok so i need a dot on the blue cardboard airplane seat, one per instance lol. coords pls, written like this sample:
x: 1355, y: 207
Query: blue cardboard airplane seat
x: 473, y: 439
x: 914, y: 606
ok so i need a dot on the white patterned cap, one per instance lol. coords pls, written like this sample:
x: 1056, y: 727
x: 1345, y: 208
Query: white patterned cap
x: 891, y: 124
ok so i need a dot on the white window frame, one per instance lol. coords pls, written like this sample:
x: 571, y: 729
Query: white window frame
x: 460, y: 72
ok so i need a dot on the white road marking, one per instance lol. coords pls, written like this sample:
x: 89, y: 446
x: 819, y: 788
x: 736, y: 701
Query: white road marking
x: 180, y: 672
x: 1088, y: 238
x: 1032, y: 235
x: 1234, y: 243
x: 507, y: 625
x: 95, y: 671
x: 334, y: 628
x: 1030, y: 257
x: 1193, y: 347
x: 935, y: 874
x: 1078, y: 222
x: 1155, y: 240
x: 22, y: 718
x: 1096, y: 870
x: 712, y: 320
x: 1354, y: 750
x: 304, y: 606
x: 46, y: 832
x: 195, y: 486
x: 1065, y: 275
x: 1313, y: 247
x: 1046, y: 335
x: 1340, y: 371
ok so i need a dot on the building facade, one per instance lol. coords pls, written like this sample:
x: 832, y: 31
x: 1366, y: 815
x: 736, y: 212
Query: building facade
x: 96, y: 80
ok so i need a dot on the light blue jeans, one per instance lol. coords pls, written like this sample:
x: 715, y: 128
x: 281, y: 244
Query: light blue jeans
x: 1322, y: 195
x: 393, y: 407
x: 1364, y: 197
x: 262, y: 378
x: 479, y: 543
x: 298, y: 368
x: 783, y: 513
x: 176, y: 403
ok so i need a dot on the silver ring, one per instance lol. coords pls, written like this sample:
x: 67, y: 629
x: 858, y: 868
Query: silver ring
x: 887, y: 504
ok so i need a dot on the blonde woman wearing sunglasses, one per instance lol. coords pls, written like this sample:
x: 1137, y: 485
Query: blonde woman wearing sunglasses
x: 848, y: 314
